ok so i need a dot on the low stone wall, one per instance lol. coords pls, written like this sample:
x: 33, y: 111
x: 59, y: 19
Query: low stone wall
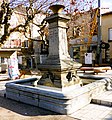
x: 54, y: 99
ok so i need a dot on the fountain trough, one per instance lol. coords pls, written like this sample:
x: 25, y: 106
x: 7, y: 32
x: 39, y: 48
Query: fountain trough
x: 54, y: 99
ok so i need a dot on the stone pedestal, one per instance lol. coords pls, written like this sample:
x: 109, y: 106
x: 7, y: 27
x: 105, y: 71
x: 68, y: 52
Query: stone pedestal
x: 59, y: 68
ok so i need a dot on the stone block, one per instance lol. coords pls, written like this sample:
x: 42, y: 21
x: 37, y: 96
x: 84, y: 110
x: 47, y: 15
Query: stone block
x: 12, y: 95
x: 52, y: 106
x: 28, y: 94
x: 12, y: 90
x: 65, y: 102
x: 106, y: 103
x: 28, y: 100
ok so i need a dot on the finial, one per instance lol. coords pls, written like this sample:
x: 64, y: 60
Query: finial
x: 57, y: 8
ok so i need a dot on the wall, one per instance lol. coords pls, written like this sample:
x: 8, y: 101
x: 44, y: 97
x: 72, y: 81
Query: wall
x: 106, y: 23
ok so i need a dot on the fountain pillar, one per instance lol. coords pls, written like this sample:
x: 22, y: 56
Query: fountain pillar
x: 59, y: 68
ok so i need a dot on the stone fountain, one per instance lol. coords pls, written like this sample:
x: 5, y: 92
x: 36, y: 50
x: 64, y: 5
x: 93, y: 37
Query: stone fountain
x: 59, y: 70
x: 59, y: 89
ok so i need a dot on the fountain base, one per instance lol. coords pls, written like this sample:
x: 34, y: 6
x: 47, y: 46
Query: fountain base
x: 64, y: 101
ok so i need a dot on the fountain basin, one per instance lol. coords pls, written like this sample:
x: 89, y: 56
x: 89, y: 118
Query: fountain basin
x: 55, y: 99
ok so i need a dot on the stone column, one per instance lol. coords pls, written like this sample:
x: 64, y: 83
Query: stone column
x: 59, y: 68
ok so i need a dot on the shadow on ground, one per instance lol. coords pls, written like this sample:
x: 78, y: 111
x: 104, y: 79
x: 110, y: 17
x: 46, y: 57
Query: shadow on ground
x: 23, y: 109
x: 14, y: 110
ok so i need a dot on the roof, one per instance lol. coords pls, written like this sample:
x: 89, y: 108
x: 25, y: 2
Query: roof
x: 107, y: 13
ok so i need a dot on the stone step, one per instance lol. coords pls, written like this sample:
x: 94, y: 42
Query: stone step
x: 103, y: 99
x: 93, y: 112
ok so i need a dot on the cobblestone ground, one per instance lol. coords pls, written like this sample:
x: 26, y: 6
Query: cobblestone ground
x: 13, y: 110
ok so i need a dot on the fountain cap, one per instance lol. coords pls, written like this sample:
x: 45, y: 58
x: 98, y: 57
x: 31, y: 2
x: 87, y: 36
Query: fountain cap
x: 57, y: 8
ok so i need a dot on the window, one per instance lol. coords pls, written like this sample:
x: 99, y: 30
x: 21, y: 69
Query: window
x: 25, y: 44
x: 110, y: 34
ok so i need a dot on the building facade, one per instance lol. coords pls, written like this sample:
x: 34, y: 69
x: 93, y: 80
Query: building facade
x: 106, y: 32
x: 28, y: 50
x: 83, y: 34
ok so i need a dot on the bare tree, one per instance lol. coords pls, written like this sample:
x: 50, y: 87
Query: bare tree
x: 83, y: 22
x: 33, y: 7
